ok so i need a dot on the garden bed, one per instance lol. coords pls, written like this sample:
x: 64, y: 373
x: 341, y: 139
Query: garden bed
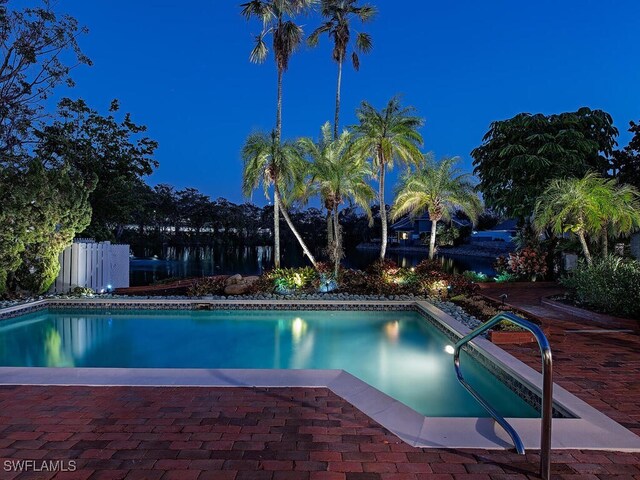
x: 485, y: 309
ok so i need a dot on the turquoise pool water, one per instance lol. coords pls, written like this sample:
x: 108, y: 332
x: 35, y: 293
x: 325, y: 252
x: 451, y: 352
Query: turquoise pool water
x: 400, y: 353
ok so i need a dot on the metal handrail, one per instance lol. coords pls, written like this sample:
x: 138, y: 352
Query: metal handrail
x: 547, y: 387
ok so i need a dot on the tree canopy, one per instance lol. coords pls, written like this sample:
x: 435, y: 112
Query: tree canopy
x: 626, y: 162
x: 116, y: 152
x: 57, y: 166
x: 519, y: 156
x: 38, y: 50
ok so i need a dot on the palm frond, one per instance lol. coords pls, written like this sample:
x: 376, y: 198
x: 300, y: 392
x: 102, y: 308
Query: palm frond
x: 314, y: 37
x: 364, y: 43
x: 257, y: 8
x: 260, y: 50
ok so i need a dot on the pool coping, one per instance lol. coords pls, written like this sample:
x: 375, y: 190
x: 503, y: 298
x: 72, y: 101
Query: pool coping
x: 590, y: 430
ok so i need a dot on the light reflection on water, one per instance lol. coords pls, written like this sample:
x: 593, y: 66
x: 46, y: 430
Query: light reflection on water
x: 207, y: 261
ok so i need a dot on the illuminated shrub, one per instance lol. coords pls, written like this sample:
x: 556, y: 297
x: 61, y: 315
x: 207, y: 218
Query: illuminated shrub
x: 528, y: 263
x: 611, y: 285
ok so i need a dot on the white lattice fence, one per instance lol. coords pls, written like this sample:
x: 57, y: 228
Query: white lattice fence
x: 97, y: 265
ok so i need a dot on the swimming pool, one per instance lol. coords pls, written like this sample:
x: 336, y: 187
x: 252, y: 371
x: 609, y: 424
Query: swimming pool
x: 398, y: 352
x: 396, y: 346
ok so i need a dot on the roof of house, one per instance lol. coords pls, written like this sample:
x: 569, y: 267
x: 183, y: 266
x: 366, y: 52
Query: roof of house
x: 508, y: 224
x: 407, y: 223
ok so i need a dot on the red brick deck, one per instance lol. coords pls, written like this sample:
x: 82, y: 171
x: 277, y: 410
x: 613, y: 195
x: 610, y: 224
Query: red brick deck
x: 600, y: 367
x: 243, y: 433
x: 304, y: 434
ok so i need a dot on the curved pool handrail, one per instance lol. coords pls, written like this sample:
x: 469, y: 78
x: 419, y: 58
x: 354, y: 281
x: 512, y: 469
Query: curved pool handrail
x: 547, y: 387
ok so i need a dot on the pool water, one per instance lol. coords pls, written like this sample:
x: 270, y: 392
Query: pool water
x: 400, y: 353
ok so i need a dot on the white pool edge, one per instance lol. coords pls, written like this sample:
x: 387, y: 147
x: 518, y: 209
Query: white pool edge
x: 592, y: 430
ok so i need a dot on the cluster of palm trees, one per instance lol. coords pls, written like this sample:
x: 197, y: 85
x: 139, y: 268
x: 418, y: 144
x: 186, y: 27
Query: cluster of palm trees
x: 278, y: 19
x: 338, y: 167
x: 590, y: 207
x: 338, y: 170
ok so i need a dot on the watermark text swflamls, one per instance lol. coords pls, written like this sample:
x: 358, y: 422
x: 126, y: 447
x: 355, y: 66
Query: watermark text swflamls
x: 39, y: 466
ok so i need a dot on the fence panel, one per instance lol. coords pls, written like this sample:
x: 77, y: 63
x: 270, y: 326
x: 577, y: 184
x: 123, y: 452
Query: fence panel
x: 97, y: 265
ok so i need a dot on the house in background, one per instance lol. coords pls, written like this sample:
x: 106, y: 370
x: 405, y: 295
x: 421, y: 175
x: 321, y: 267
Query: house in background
x: 502, y: 232
x: 409, y: 231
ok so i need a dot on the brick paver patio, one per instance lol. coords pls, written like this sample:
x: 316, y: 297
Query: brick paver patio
x: 302, y: 433
x: 244, y: 433
x: 596, y: 361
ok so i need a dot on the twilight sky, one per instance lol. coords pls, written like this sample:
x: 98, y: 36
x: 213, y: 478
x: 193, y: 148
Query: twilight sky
x: 182, y: 68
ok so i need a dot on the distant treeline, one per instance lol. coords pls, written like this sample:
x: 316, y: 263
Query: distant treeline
x: 165, y: 217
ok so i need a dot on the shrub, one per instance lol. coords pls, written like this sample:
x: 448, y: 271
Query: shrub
x: 381, y: 278
x: 83, y: 291
x: 289, y: 280
x: 505, y: 277
x: 611, y: 285
x: 447, y: 236
x: 428, y: 267
x: 459, y: 285
x: 354, y: 281
x: 383, y: 268
x: 528, y: 263
x: 501, y: 265
x: 475, y: 276
x: 207, y: 286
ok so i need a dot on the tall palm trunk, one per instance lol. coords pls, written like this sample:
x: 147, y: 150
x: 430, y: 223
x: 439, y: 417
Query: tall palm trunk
x: 432, y: 241
x: 585, y: 247
x: 329, y: 227
x: 337, y: 242
x: 383, y: 213
x: 276, y: 200
x: 336, y: 119
x: 279, y: 107
x: 276, y: 231
x: 287, y: 219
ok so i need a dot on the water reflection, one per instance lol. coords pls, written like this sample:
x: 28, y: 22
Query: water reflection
x: 201, y: 261
x: 298, y: 329
x: 181, y: 262
x: 54, y: 351
x: 60, y: 341
x: 392, y: 331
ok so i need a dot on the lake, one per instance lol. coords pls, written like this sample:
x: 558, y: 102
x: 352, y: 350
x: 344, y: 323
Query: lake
x: 206, y: 261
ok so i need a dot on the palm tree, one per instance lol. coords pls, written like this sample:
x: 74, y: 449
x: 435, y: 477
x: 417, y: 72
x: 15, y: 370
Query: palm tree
x: 338, y: 14
x: 276, y: 17
x: 338, y: 174
x: 438, y: 188
x: 386, y: 136
x: 621, y: 216
x: 267, y: 162
x: 586, y: 206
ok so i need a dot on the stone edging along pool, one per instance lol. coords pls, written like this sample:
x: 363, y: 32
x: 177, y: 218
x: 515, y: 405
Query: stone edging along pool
x: 581, y: 426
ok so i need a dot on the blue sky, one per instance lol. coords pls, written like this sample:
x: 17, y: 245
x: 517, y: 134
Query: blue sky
x: 182, y: 69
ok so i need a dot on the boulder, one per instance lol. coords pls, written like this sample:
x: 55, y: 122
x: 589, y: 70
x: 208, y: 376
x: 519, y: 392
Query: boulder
x: 250, y: 280
x: 233, y: 279
x: 236, y: 289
